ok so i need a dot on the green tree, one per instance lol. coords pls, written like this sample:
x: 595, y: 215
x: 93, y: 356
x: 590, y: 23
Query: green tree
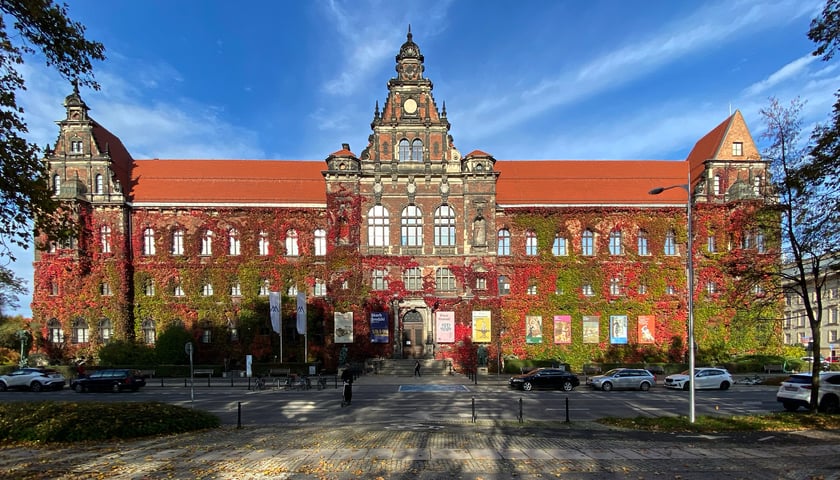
x: 25, y: 191
x: 169, y: 346
x: 808, y: 213
x: 10, y: 287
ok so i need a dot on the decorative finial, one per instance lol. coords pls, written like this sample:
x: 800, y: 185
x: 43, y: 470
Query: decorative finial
x: 444, y: 108
x: 76, y: 85
x: 376, y: 112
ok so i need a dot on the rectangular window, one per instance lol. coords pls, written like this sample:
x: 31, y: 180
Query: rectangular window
x: 236, y: 290
x: 320, y: 289
x: 559, y: 248
x: 587, y: 290
x: 642, y: 243
x: 320, y: 242
x: 587, y: 243
x: 670, y: 244
x: 265, y: 288
x: 149, y: 288
x: 178, y: 292
x: 530, y: 244
x: 412, y: 279
x: 615, y: 286
x: 737, y: 149
x: 532, y: 289
x: 711, y: 244
x: 76, y: 146
x: 178, y: 242
x: 481, y: 283
x: 379, y: 279
x: 207, y: 290
x: 105, y: 289
x: 504, y: 285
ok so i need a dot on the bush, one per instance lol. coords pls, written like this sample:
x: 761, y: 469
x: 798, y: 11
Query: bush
x: 46, y: 422
x: 120, y: 352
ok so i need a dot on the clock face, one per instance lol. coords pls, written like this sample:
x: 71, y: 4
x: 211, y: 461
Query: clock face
x: 410, y: 106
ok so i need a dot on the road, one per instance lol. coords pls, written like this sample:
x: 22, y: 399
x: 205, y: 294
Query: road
x: 406, y: 401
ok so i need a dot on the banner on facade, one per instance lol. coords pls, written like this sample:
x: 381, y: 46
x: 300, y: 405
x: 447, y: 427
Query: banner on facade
x: 481, y: 326
x: 618, y: 329
x: 274, y: 310
x: 591, y: 328
x: 445, y: 327
x: 301, y: 313
x: 379, y: 332
x: 647, y: 329
x: 343, y: 330
x: 562, y: 329
x: 533, y: 329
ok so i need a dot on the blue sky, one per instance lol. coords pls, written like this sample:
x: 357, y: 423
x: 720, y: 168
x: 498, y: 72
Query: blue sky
x: 538, y: 79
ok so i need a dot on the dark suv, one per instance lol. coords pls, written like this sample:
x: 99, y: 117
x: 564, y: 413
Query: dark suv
x: 111, y: 380
x: 545, y: 378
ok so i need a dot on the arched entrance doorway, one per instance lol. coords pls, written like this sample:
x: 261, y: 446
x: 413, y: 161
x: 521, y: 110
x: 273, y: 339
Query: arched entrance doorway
x: 413, y: 338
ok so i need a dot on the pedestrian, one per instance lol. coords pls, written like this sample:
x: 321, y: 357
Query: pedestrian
x: 417, y: 368
x: 347, y: 379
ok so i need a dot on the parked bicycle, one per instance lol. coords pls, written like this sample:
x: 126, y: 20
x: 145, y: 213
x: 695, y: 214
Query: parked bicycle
x: 754, y: 380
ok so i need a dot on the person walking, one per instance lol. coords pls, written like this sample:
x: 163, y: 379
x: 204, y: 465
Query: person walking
x: 417, y: 368
x: 347, y: 380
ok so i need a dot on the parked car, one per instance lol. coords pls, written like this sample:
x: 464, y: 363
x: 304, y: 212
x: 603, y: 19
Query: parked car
x: 704, y: 378
x: 35, y: 379
x: 795, y: 392
x: 111, y: 380
x: 545, y: 378
x: 624, y: 378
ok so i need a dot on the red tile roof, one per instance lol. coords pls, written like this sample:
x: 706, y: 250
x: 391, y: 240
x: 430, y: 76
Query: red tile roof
x: 589, y: 182
x: 229, y: 181
x: 706, y: 148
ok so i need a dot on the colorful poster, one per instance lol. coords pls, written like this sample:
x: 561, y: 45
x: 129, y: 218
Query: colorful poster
x: 647, y: 327
x: 445, y: 327
x: 591, y: 328
x: 618, y: 329
x: 481, y: 326
x: 562, y: 329
x: 379, y: 332
x: 343, y: 327
x: 533, y: 329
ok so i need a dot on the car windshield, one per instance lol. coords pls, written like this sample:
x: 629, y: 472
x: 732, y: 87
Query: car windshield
x: 612, y: 372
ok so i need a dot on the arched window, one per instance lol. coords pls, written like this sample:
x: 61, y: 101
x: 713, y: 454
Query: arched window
x: 444, y: 226
x: 411, y: 230
x: 320, y: 242
x: 378, y: 227
x: 207, y: 289
x: 615, y: 242
x: 206, y: 331
x: 207, y: 243
x: 263, y: 243
x: 642, y: 243
x: 587, y: 243
x: 670, y: 243
x: 444, y: 280
x: 405, y: 151
x: 105, y: 238
x: 148, y: 241
x: 79, y: 331
x: 504, y: 242
x: 233, y: 241
x: 105, y: 330
x: 560, y: 246
x: 530, y: 243
x: 417, y: 150
x: 178, y: 241
x: 292, y: 243
x: 149, y: 331
x: 56, y: 184
x: 99, y: 184
x: 54, y: 332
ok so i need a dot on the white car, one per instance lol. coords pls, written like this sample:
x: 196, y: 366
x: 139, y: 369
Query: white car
x: 35, y: 379
x: 795, y: 392
x: 704, y: 378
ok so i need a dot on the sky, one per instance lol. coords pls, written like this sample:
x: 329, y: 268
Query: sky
x: 530, y: 80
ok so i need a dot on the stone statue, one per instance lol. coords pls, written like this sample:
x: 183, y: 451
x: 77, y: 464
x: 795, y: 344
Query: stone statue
x: 479, y: 231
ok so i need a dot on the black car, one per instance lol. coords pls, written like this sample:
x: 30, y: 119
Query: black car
x: 111, y: 380
x: 545, y: 378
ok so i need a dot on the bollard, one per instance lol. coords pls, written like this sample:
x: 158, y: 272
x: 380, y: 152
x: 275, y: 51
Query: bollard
x: 520, y: 409
x: 476, y: 376
x: 238, y: 414
x: 567, y: 410
x: 473, y: 409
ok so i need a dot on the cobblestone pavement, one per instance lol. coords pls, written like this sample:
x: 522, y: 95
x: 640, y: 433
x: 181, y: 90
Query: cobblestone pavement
x: 436, y: 451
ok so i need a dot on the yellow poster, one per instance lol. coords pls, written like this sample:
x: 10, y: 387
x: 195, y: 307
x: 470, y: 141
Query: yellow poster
x: 481, y: 326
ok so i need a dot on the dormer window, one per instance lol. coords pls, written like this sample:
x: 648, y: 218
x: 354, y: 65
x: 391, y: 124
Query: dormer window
x: 76, y: 146
x: 479, y: 167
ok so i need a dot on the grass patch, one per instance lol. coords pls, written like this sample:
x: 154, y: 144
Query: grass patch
x: 782, y: 421
x: 47, y: 422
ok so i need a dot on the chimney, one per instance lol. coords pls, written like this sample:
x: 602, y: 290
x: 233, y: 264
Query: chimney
x: 345, y: 146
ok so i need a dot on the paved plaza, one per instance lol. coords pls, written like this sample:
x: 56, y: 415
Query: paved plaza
x: 438, y: 449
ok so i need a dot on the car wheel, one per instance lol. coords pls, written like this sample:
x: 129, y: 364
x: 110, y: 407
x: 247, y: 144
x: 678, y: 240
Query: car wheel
x: 685, y: 386
x: 645, y: 386
x: 80, y: 388
x: 36, y: 386
x: 527, y: 386
x: 606, y: 386
x: 790, y: 406
x: 724, y: 386
x: 829, y: 404
x: 3, y: 387
x: 567, y: 386
x: 115, y: 388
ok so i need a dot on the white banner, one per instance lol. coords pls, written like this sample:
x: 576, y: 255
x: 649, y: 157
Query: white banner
x: 343, y: 327
x: 301, y: 313
x: 274, y: 306
x: 445, y: 327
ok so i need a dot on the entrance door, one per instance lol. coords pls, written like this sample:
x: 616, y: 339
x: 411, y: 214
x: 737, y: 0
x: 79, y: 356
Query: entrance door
x: 413, y: 334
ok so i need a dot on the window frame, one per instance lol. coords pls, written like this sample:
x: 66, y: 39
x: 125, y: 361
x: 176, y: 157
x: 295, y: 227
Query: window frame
x: 587, y: 243
x: 444, y: 226
x: 379, y: 226
x: 503, y: 242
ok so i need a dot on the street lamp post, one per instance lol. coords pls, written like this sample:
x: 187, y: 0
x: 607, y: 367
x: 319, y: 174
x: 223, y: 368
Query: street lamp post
x: 395, y: 310
x: 690, y: 274
x: 23, y: 335
x: 499, y: 365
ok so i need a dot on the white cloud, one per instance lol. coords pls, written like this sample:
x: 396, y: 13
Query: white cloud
x: 787, y: 72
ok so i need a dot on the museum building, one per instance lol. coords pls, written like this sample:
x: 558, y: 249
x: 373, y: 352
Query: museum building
x: 409, y: 248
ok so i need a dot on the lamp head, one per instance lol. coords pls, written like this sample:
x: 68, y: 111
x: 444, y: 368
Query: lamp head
x: 656, y: 191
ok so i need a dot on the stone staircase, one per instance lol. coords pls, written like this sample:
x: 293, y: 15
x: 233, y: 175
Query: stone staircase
x: 405, y: 367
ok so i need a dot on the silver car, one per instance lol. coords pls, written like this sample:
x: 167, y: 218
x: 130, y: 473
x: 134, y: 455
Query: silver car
x: 34, y: 379
x: 624, y: 379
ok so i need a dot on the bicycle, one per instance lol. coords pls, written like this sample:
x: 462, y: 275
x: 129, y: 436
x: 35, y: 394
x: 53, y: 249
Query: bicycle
x: 754, y: 380
x: 259, y: 383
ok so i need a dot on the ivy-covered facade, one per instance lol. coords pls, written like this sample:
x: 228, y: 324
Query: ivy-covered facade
x: 570, y: 260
